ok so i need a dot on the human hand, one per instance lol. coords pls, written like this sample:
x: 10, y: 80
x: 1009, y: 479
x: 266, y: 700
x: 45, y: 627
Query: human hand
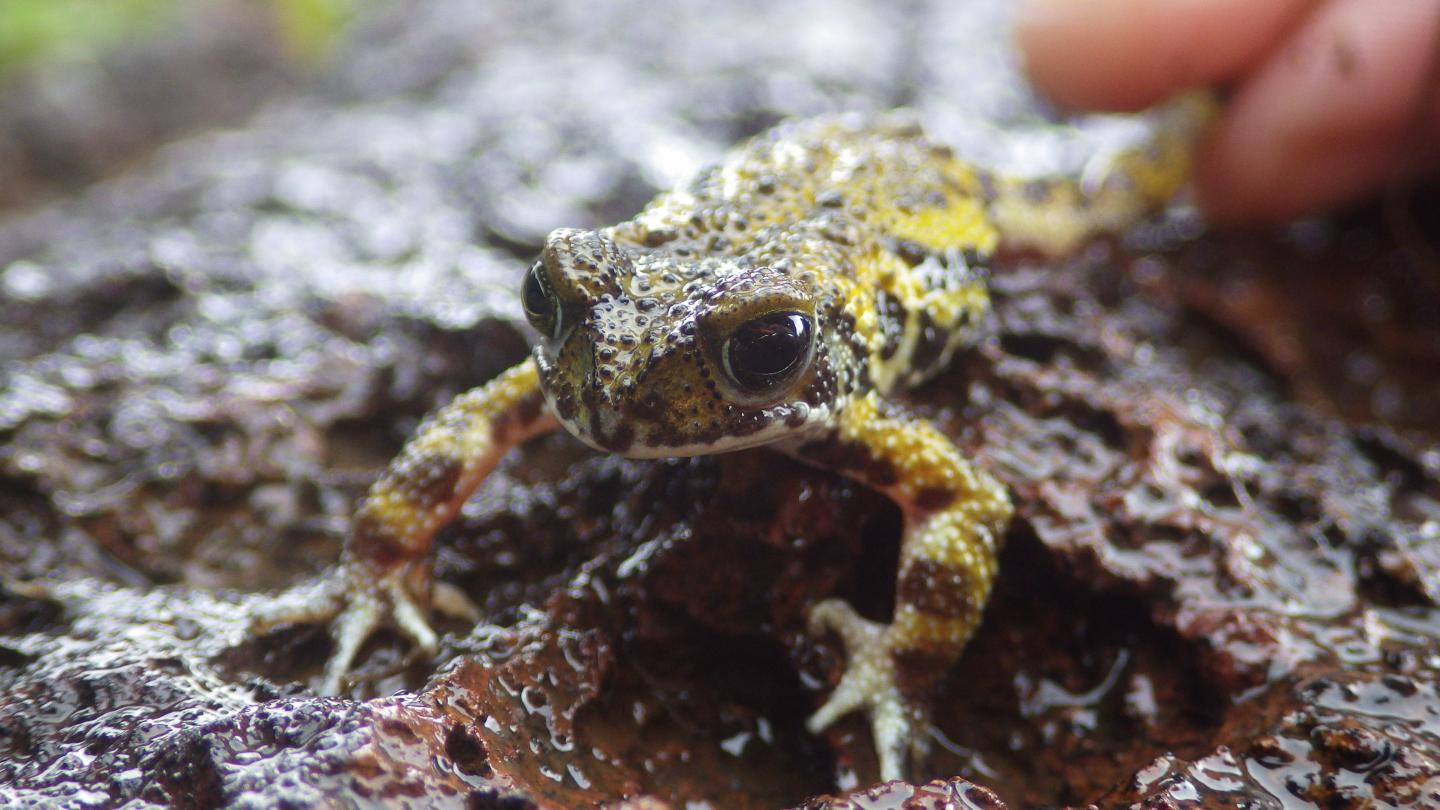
x: 1325, y: 94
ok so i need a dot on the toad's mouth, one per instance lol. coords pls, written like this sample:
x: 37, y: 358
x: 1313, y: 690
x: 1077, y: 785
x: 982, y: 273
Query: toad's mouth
x: 611, y: 431
x: 615, y: 424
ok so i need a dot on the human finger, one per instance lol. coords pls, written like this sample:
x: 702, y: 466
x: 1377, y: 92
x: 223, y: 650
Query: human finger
x: 1128, y: 54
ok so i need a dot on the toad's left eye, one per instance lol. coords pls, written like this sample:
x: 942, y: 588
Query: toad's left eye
x: 768, y: 352
x: 538, y: 301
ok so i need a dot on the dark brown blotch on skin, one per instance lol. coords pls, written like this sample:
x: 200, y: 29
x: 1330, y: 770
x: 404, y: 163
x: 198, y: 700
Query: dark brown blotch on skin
x: 892, y: 323
x: 527, y: 409
x: 431, y: 479
x: 659, y: 236
x: 930, y: 347
x: 910, y: 252
x: 824, y: 386
x: 750, y: 423
x: 650, y: 408
x: 619, y: 441
x: 374, y: 545
x: 566, y: 407
x: 933, y: 499
x: 976, y: 262
x: 937, y: 589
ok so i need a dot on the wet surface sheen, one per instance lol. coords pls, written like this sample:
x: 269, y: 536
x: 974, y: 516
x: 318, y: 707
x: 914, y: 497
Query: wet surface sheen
x: 1219, y: 590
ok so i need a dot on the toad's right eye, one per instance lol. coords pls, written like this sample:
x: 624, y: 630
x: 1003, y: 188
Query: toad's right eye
x: 768, y: 353
x: 542, y: 309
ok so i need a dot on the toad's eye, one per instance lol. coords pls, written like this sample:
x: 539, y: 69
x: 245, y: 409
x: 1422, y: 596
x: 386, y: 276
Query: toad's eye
x: 541, y: 307
x: 767, y: 353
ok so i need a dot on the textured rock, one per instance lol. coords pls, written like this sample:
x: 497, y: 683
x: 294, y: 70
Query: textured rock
x: 1219, y: 589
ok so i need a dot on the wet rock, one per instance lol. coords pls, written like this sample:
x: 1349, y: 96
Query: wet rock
x: 1219, y: 590
x: 955, y: 794
x: 1340, y: 740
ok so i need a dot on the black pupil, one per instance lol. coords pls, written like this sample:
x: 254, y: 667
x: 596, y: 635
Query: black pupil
x: 763, y: 352
x: 539, y: 306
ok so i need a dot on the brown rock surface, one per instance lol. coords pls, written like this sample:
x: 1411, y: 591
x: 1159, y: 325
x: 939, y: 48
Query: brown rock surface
x: 1219, y: 590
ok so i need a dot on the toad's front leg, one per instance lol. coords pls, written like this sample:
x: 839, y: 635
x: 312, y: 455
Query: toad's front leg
x: 385, y: 573
x: 954, y: 517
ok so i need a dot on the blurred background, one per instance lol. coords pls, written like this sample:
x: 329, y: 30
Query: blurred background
x: 86, y: 86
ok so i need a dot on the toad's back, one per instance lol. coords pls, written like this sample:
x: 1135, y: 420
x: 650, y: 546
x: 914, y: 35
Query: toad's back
x: 870, y: 215
x: 889, y: 225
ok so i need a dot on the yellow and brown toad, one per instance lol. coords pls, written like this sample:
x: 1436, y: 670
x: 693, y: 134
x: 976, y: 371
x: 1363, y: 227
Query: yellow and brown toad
x: 781, y: 299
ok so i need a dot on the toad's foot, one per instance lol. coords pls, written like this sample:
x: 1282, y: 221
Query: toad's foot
x: 869, y: 683
x: 384, y: 577
x: 356, y: 602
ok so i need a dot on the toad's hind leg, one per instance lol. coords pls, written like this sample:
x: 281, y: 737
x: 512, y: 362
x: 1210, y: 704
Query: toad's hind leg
x: 384, y: 573
x: 1116, y: 189
x: 954, y: 516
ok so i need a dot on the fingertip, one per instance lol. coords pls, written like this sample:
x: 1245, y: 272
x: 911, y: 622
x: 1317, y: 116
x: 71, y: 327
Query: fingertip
x: 1127, y: 54
x: 1230, y: 187
x: 1059, y: 40
x: 1314, y: 180
x: 1326, y: 121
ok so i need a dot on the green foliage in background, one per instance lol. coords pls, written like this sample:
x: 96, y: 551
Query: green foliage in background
x: 78, y: 29
x: 33, y: 31
x: 310, y: 26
